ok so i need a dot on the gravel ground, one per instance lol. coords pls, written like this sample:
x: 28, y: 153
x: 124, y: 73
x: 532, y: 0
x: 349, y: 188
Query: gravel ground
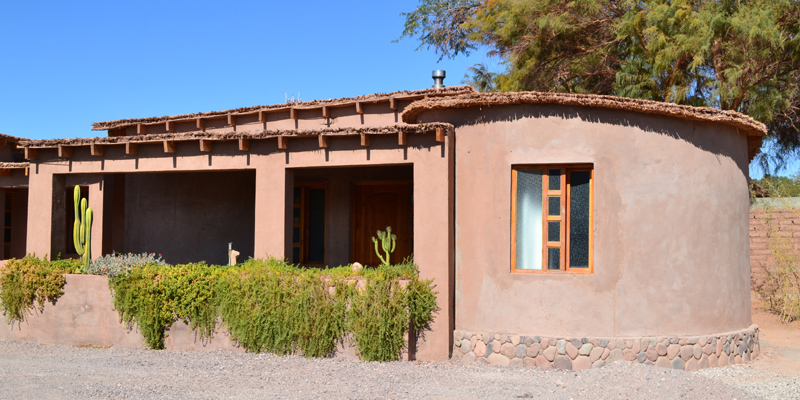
x: 64, y: 372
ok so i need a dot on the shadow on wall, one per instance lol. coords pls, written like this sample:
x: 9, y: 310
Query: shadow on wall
x: 723, y: 142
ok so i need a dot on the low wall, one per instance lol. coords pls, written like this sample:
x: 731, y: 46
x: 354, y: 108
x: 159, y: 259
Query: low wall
x: 84, y: 316
x: 686, y: 353
x: 768, y: 221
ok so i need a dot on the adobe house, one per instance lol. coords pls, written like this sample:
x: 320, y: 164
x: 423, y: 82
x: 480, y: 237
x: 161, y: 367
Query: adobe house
x: 561, y: 230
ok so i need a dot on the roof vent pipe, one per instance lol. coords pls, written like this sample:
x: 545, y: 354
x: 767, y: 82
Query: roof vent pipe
x: 438, y: 78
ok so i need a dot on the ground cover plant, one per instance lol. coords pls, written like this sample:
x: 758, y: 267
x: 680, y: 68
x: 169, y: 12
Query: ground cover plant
x: 27, y: 284
x: 268, y: 305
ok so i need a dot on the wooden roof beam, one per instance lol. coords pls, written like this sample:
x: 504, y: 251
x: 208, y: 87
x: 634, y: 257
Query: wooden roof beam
x: 231, y: 120
x: 402, y: 138
x: 293, y: 113
x: 169, y: 146
x: 392, y: 103
x: 359, y: 109
x: 326, y: 112
x: 141, y: 129
x: 131, y: 148
x: 31, y: 154
x: 262, y: 116
x: 205, y: 145
x: 440, y: 135
x: 201, y: 125
x: 64, y: 151
x: 96, y: 150
x: 170, y: 126
x: 364, y: 140
x: 244, y: 144
x: 283, y: 142
x: 323, y: 141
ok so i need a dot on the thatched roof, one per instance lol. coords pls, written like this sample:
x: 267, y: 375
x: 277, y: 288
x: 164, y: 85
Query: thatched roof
x: 14, y: 165
x: 232, y: 135
x: 743, y: 122
x: 370, y: 98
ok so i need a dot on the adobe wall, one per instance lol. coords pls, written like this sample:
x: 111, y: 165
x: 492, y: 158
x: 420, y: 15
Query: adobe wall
x: 190, y: 216
x: 670, y: 234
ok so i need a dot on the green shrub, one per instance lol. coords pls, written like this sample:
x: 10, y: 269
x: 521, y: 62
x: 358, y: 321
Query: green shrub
x: 26, y: 284
x: 271, y: 306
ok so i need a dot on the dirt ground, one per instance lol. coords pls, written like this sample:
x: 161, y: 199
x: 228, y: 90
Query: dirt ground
x: 780, y: 342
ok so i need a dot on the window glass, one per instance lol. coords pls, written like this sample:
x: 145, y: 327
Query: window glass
x: 316, y: 226
x: 554, y: 177
x: 554, y: 258
x: 553, y: 231
x: 554, y: 206
x: 579, y: 219
x: 529, y: 219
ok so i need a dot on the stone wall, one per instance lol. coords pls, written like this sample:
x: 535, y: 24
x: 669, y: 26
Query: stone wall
x: 687, y: 353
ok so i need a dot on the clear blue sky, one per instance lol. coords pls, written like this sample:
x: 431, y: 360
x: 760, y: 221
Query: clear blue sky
x: 68, y: 64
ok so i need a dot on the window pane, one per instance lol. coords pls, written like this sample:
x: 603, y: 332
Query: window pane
x: 554, y: 176
x: 296, y: 255
x: 579, y: 219
x: 554, y: 205
x: 316, y: 226
x: 297, y: 215
x: 553, y: 258
x: 296, y: 234
x: 553, y: 231
x: 529, y: 219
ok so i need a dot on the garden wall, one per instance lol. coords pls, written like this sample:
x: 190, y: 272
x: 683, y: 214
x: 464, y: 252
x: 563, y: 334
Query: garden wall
x: 84, y: 316
x: 770, y: 218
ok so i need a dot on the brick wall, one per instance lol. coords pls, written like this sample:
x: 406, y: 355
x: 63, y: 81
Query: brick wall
x: 767, y: 224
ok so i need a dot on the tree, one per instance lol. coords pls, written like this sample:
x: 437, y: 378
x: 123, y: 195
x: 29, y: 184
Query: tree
x: 741, y: 55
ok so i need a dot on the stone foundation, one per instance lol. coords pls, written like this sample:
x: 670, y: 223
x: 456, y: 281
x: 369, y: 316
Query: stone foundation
x: 688, y: 353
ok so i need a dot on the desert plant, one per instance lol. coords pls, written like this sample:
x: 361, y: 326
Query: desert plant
x: 28, y: 283
x: 115, y: 264
x: 82, y: 228
x: 388, y: 242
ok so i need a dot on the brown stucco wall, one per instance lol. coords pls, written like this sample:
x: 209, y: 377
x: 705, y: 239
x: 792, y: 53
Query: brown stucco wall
x: 670, y: 227
x: 190, y: 216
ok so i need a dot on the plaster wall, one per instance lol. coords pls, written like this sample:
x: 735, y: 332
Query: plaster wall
x: 670, y: 228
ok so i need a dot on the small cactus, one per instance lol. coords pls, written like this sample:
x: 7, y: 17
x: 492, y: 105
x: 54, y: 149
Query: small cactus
x: 82, y: 229
x: 388, y: 242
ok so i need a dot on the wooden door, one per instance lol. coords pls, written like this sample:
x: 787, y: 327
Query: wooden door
x: 376, y: 206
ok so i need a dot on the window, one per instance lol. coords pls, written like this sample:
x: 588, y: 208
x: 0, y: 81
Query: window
x: 308, y: 225
x: 551, y: 221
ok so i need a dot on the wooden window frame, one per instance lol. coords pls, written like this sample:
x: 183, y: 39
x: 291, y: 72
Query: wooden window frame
x: 564, y: 242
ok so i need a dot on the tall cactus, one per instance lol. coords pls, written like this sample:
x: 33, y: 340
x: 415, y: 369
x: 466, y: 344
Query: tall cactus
x: 388, y: 242
x: 82, y: 229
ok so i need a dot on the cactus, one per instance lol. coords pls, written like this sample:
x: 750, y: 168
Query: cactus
x: 388, y: 242
x: 82, y: 229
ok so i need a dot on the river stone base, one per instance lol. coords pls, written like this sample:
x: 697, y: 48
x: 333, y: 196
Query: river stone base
x: 688, y: 353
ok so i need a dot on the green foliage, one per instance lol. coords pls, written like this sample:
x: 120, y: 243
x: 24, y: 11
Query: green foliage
x: 780, y: 186
x: 119, y: 264
x: 27, y: 284
x: 268, y: 305
x: 82, y: 228
x: 388, y: 242
x: 741, y: 55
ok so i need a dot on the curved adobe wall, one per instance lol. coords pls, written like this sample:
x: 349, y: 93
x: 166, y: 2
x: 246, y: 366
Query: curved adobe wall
x: 670, y: 229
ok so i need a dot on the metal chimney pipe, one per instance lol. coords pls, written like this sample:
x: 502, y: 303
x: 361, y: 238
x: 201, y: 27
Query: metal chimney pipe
x: 438, y: 78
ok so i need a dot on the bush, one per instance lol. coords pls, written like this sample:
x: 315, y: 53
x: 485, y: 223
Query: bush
x: 269, y: 305
x: 120, y: 264
x: 27, y: 284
